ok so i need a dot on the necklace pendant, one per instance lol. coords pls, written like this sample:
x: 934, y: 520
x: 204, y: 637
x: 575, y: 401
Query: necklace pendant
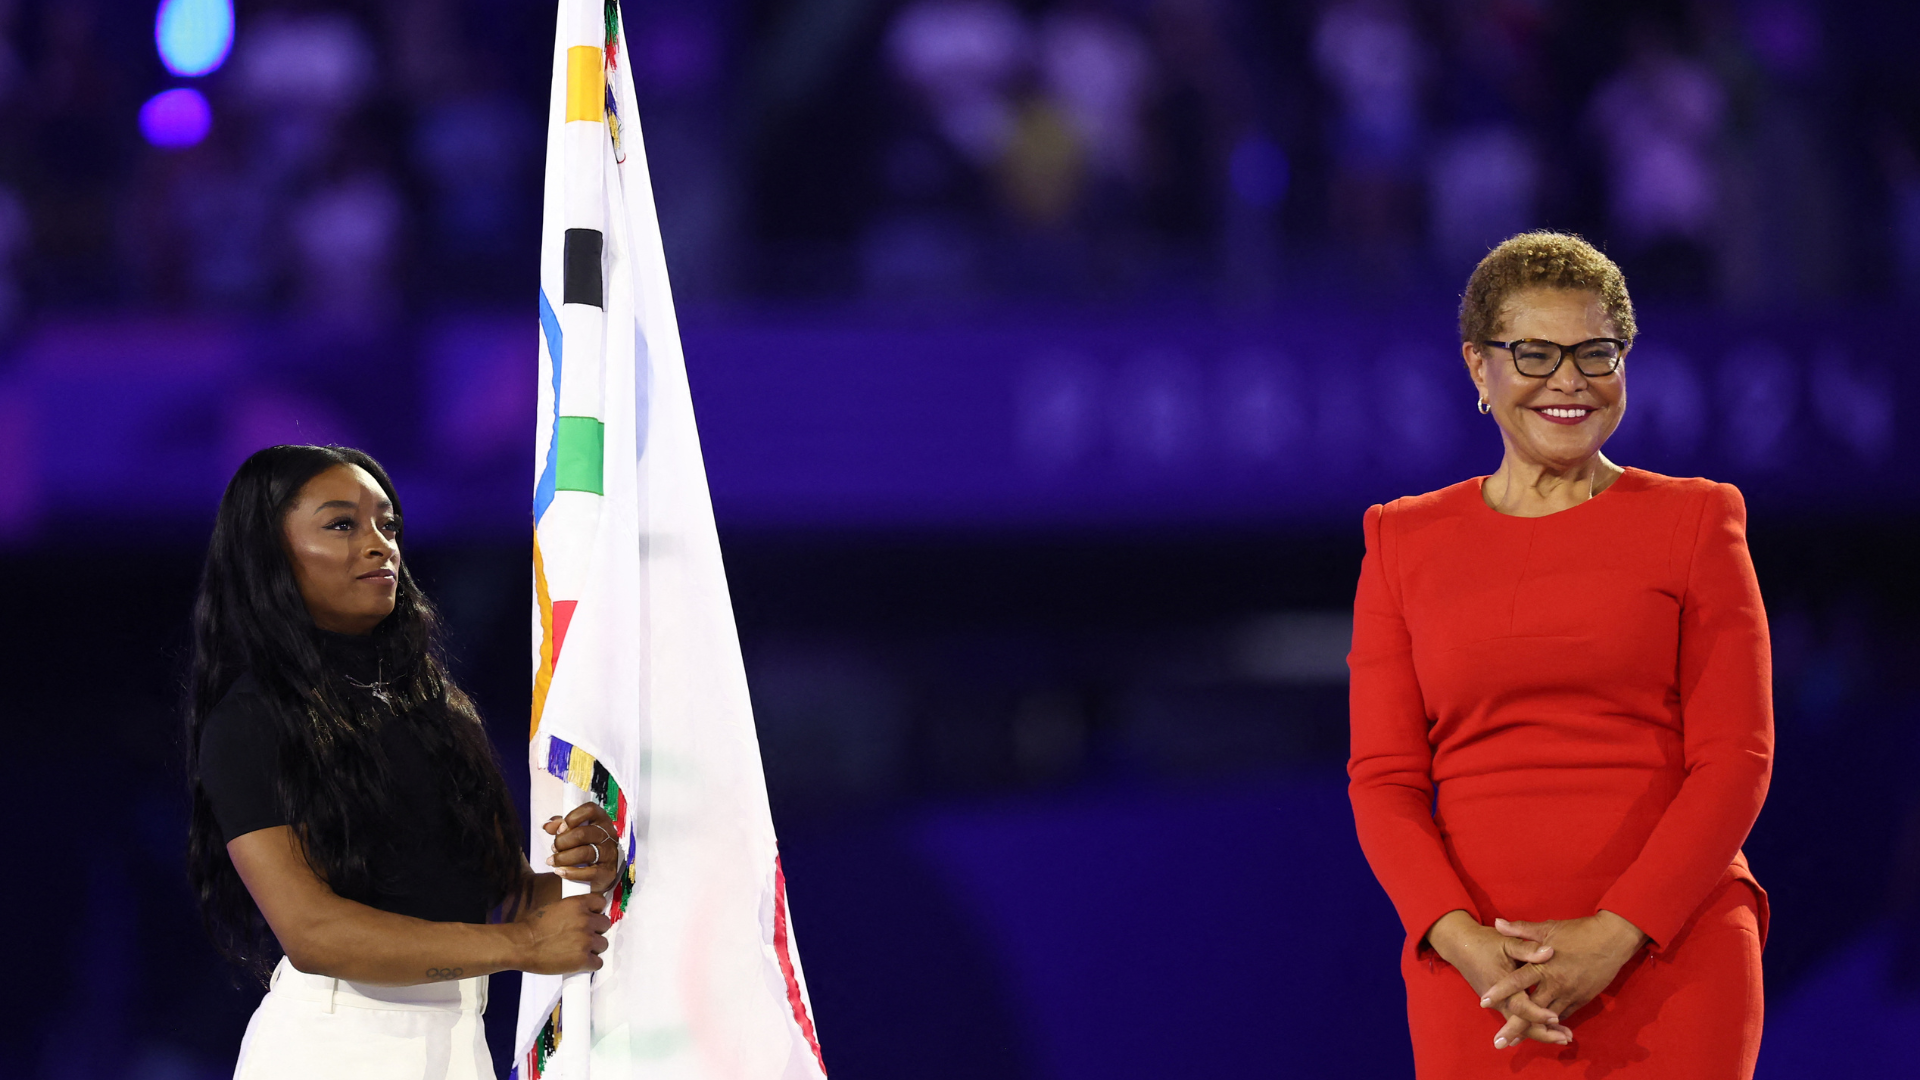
x: 377, y: 688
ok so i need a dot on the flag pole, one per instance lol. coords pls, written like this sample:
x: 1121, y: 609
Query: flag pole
x: 572, y: 1059
x: 569, y: 490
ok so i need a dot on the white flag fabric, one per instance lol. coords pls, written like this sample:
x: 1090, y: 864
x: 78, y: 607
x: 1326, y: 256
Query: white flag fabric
x: 640, y: 698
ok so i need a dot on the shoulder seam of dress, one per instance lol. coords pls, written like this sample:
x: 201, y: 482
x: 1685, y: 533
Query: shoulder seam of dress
x: 1390, y: 564
x: 1705, y: 504
x: 1673, y: 549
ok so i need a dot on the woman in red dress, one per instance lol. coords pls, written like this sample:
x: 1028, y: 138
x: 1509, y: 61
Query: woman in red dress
x: 1562, y: 718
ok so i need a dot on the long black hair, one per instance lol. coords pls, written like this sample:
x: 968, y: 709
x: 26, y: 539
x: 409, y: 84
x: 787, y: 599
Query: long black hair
x: 332, y: 783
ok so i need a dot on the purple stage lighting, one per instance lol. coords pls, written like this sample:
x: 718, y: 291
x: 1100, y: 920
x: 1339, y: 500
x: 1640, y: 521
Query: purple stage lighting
x: 1258, y: 171
x: 173, y: 119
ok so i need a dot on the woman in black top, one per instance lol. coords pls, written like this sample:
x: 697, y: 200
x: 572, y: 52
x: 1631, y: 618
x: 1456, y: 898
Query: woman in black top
x: 345, y: 797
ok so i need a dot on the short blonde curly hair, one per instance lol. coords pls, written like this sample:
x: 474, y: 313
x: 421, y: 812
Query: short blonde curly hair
x: 1542, y: 260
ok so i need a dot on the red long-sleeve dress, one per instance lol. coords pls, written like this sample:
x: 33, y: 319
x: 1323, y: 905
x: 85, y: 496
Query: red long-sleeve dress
x: 1557, y: 715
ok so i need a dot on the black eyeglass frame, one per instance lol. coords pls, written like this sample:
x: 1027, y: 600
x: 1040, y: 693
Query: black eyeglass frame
x: 1565, y: 351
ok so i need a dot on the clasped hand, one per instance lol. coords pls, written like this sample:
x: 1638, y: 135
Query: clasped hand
x: 1536, y: 974
x: 585, y: 847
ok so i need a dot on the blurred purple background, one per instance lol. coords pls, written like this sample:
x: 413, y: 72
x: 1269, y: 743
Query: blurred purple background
x: 1046, y: 354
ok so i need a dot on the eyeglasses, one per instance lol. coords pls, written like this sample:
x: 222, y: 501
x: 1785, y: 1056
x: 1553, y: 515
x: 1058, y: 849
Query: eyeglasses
x: 1537, y: 359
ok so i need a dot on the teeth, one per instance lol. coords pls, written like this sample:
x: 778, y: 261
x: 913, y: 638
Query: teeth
x: 1566, y: 414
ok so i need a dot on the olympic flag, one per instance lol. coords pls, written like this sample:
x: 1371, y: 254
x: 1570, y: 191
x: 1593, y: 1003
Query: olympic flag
x: 639, y: 697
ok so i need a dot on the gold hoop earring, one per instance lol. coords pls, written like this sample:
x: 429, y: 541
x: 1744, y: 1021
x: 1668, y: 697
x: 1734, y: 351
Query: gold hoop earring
x: 1485, y: 406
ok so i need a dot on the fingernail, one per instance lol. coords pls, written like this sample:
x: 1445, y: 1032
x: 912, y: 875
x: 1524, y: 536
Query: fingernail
x: 1552, y: 1019
x: 1500, y: 1044
x: 1485, y: 1001
x: 550, y: 861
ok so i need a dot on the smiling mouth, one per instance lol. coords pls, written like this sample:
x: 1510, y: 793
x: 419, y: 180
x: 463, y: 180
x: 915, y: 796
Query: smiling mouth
x: 1568, y: 414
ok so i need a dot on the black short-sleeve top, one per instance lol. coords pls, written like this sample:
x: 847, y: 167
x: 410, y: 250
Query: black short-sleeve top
x: 418, y: 865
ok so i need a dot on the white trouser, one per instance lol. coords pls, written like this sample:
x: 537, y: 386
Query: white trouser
x: 310, y: 1027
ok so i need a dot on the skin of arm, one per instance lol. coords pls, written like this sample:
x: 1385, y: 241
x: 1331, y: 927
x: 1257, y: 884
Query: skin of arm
x: 538, y: 891
x: 326, y: 934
